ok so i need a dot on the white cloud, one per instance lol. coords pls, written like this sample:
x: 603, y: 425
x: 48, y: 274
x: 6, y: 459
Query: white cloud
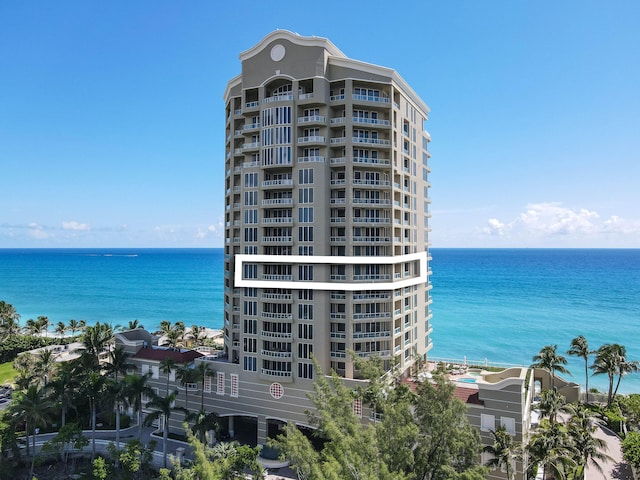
x: 76, y: 226
x: 552, y: 220
x: 38, y: 232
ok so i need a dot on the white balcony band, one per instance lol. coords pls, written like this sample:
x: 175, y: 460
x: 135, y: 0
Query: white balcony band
x: 240, y: 259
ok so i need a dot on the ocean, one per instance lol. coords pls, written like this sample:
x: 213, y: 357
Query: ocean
x: 498, y: 305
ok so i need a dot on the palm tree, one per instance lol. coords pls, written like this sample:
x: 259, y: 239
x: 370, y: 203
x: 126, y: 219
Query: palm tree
x: 63, y: 387
x: 61, y: 329
x: 32, y: 407
x: 203, y: 371
x: 611, y: 360
x: 74, y: 326
x: 550, y: 447
x: 203, y: 422
x: 172, y: 339
x: 7, y: 312
x: 549, y: 359
x: 36, y: 327
x: 9, y: 320
x: 163, y: 407
x: 95, y: 339
x: 93, y: 387
x: 197, y: 334
x: 165, y: 326
x: 134, y: 324
x: 552, y: 402
x: 185, y: 376
x: 135, y: 387
x: 168, y: 365
x: 580, y: 348
x: 45, y: 365
x: 117, y: 395
x: 118, y: 362
x: 504, y: 450
x: 590, y: 450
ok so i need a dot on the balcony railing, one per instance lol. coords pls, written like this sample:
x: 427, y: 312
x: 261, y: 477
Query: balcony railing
x: 274, y: 373
x: 382, y: 334
x: 275, y: 334
x: 373, y: 141
x: 371, y: 121
x: 312, y: 139
x: 371, y: 220
x: 277, y: 316
x: 280, y: 181
x: 278, y: 98
x: 270, y: 353
x: 277, y: 201
x: 286, y: 220
x: 311, y: 159
x: 372, y: 161
x: 311, y: 119
x: 371, y: 98
x: 276, y: 239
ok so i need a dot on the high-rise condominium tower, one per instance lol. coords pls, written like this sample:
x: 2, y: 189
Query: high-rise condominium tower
x: 326, y: 214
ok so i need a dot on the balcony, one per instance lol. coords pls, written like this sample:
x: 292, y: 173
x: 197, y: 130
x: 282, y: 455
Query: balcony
x: 279, y: 182
x: 372, y: 183
x: 278, y: 98
x: 277, y: 201
x: 312, y: 139
x: 382, y: 162
x: 252, y: 104
x: 311, y: 119
x: 371, y: 98
x: 250, y: 146
x: 371, y: 141
x: 338, y: 354
x: 278, y: 239
x: 274, y: 373
x: 371, y: 201
x: 338, y: 140
x: 379, y: 353
x: 312, y: 159
x: 277, y: 316
x: 373, y: 315
x: 382, y: 334
x: 338, y: 335
x: 276, y: 278
x: 371, y: 121
x: 274, y: 354
x: 370, y: 296
x: 371, y: 220
x: 251, y: 126
x: 338, y: 160
x: 278, y: 220
x: 371, y: 239
x: 338, y: 121
x: 336, y: 98
x: 276, y: 296
x: 275, y: 334
x: 372, y: 278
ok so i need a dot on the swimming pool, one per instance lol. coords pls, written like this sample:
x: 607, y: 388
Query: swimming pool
x: 466, y: 380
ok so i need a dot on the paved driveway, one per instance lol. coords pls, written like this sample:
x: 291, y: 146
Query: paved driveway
x: 616, y: 468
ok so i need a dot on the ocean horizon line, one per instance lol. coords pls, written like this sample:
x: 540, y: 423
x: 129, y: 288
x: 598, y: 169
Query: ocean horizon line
x: 222, y: 248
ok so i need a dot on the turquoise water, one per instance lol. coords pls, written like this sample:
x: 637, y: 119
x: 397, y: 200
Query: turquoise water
x: 502, y: 305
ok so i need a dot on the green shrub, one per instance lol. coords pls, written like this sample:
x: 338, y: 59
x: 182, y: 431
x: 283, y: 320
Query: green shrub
x: 631, y: 448
x: 614, y: 420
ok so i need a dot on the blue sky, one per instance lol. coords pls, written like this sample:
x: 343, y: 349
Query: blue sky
x: 112, y: 118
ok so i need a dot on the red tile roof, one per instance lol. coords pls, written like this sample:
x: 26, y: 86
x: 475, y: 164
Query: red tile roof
x: 177, y: 355
x: 467, y: 395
